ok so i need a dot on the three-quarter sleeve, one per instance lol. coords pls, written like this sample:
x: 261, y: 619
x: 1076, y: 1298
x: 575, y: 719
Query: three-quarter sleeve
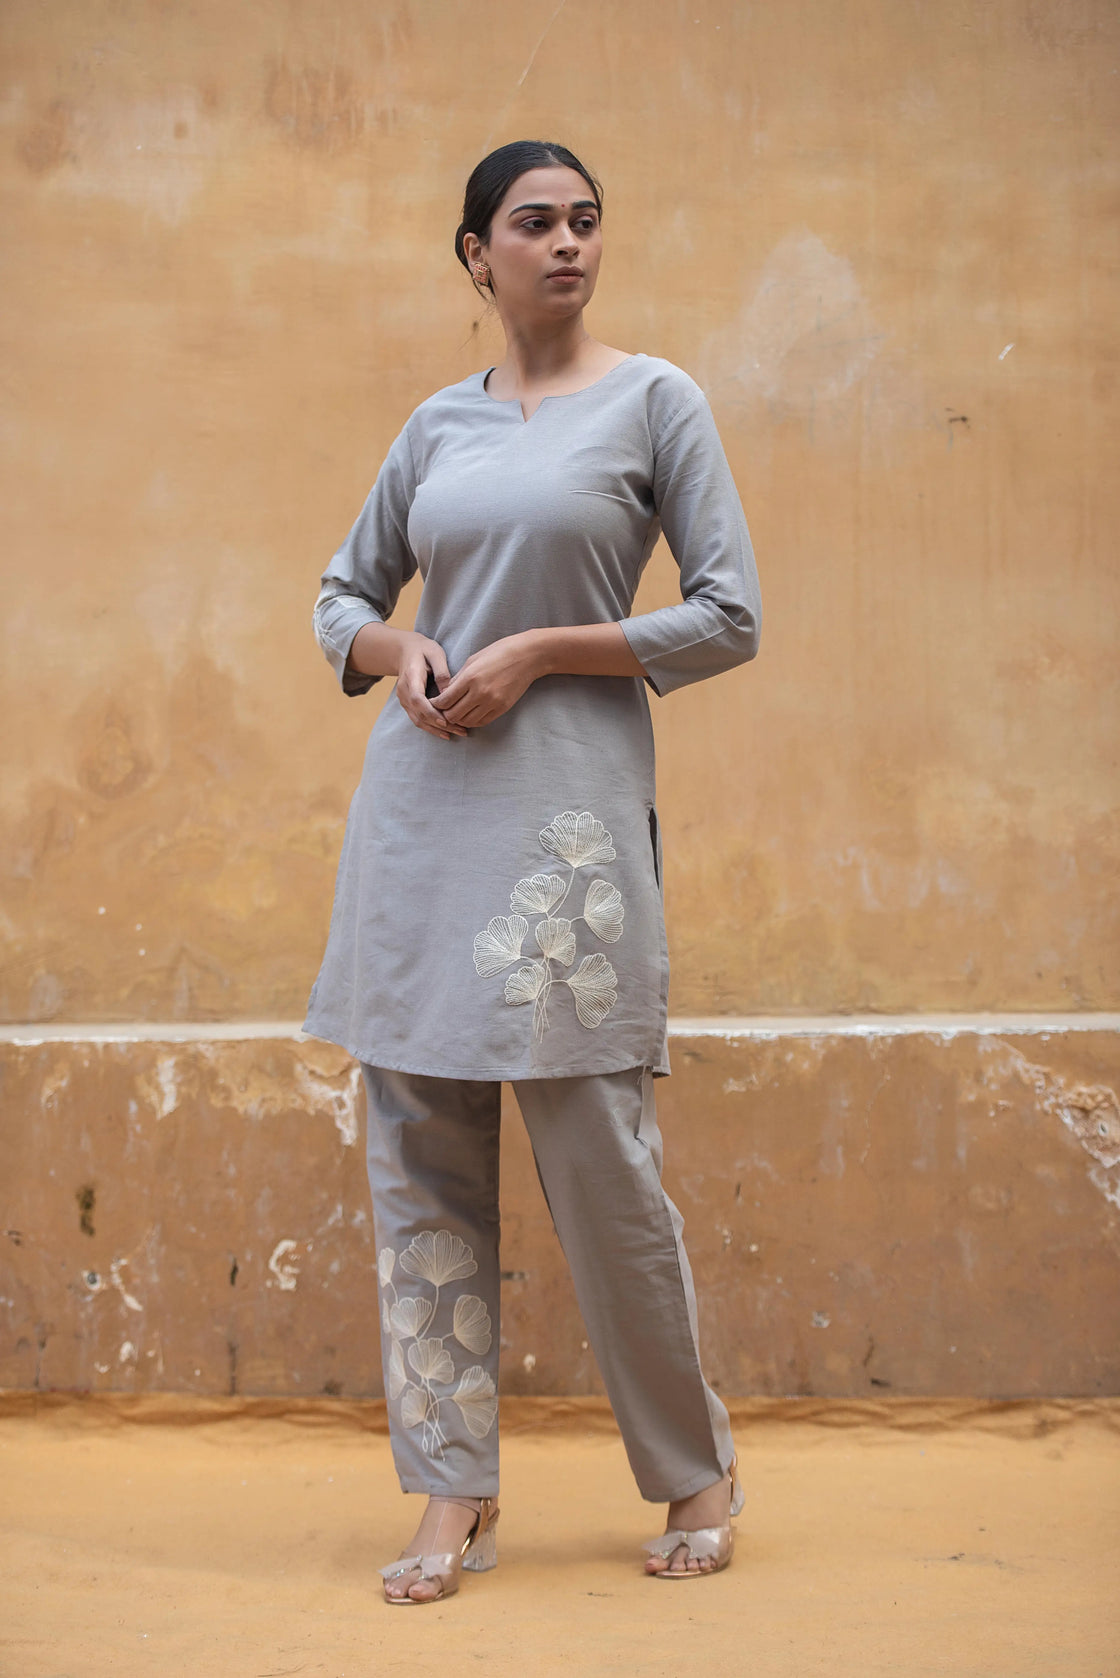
x: 716, y: 625
x: 364, y: 579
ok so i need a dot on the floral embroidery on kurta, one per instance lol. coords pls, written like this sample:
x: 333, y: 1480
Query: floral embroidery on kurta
x: 436, y: 1257
x: 581, y: 841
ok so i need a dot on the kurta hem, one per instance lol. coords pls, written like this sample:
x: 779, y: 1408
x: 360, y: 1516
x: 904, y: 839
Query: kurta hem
x: 503, y: 1074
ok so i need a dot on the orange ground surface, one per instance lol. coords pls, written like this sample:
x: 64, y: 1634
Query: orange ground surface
x: 239, y: 1539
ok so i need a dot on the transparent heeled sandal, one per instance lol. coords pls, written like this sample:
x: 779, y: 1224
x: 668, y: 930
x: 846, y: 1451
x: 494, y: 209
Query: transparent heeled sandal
x: 479, y: 1554
x: 713, y: 1543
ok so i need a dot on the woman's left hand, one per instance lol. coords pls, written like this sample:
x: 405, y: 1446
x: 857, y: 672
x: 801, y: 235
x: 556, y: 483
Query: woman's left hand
x: 490, y: 682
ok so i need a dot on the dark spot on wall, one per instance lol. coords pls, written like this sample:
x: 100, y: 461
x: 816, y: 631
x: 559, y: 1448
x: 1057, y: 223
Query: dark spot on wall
x: 43, y: 1332
x: 48, y: 142
x: 314, y: 109
x: 332, y: 1388
x: 15, y: 1236
x: 231, y: 1350
x: 85, y: 1196
x: 514, y: 1275
x: 181, y: 130
x: 952, y: 419
x: 233, y: 1274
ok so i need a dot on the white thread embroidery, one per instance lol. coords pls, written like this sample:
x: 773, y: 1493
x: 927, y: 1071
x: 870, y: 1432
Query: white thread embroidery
x: 348, y: 602
x: 580, y: 840
x: 436, y: 1257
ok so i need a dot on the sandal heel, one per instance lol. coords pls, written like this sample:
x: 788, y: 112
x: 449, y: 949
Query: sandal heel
x: 738, y: 1495
x: 483, y: 1552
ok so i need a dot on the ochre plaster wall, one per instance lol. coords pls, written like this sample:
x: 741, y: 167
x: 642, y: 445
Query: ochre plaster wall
x: 878, y: 234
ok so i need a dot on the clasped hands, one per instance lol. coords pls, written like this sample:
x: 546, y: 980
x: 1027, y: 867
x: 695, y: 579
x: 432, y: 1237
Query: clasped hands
x: 489, y: 683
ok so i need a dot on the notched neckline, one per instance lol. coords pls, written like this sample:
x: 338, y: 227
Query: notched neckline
x: 557, y: 396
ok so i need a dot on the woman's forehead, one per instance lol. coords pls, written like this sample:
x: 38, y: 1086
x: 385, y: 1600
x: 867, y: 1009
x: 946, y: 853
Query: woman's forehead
x: 556, y: 182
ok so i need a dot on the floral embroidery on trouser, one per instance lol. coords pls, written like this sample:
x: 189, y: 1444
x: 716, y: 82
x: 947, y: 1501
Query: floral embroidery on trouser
x: 432, y: 1153
x: 438, y: 1258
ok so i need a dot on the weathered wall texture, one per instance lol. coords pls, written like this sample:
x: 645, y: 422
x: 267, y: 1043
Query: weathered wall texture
x: 877, y: 1210
x: 879, y: 234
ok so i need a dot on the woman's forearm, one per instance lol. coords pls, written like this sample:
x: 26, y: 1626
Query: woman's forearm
x: 377, y: 648
x: 592, y: 649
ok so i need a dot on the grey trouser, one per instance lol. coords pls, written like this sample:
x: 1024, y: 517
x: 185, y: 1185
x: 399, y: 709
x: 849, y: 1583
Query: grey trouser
x: 432, y: 1155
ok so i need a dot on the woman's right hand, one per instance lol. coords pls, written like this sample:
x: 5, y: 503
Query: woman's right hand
x: 418, y: 657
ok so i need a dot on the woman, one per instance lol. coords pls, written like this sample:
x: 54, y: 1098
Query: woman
x: 498, y: 913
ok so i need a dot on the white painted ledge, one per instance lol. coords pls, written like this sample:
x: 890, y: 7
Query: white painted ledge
x: 725, y: 1026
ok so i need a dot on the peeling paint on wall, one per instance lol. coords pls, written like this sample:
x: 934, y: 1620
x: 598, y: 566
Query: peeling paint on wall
x: 341, y: 1102
x: 130, y: 1300
x: 283, y: 1267
x: 1090, y: 1112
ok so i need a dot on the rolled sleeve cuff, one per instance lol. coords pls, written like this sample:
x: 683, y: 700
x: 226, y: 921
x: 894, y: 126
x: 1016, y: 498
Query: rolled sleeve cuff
x: 672, y: 660
x: 337, y: 619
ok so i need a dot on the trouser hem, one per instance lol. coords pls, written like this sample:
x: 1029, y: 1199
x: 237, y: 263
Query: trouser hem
x: 697, y: 1483
x: 445, y: 1490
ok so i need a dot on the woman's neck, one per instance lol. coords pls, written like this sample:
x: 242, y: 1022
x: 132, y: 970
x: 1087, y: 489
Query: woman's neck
x: 540, y: 354
x: 563, y: 357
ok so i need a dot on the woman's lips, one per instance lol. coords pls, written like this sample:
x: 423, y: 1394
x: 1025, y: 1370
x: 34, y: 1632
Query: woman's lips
x: 566, y: 276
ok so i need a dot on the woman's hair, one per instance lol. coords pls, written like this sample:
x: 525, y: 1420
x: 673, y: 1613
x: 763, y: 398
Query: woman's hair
x: 493, y: 177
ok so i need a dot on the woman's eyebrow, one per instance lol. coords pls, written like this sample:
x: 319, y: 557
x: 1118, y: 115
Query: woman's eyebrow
x: 579, y: 204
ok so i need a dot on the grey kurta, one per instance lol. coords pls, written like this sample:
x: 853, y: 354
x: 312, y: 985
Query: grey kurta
x: 498, y: 909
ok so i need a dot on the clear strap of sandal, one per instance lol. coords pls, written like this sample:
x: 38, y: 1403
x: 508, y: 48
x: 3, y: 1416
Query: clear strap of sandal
x: 701, y: 1542
x: 428, y: 1565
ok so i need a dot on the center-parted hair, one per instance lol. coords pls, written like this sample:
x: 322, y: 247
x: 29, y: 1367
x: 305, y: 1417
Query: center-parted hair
x: 493, y: 177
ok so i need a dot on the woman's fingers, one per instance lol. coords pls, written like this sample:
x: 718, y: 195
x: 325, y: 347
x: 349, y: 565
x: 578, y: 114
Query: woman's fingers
x: 462, y: 712
x: 452, y: 690
x: 489, y: 683
x: 437, y: 661
x: 425, y: 716
x: 411, y: 683
x: 471, y: 700
x: 436, y: 669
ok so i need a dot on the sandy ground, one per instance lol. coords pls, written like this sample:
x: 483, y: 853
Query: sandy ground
x: 171, y: 1537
